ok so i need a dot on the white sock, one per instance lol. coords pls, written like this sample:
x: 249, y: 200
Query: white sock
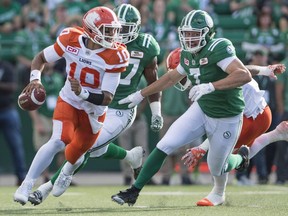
x: 217, y: 195
x: 46, y: 186
x: 262, y: 141
x: 128, y: 156
x: 69, y: 169
x: 220, y: 183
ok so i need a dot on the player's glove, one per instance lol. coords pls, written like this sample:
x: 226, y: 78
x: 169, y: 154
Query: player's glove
x: 133, y: 99
x: 199, y: 90
x: 156, y: 123
x: 193, y: 155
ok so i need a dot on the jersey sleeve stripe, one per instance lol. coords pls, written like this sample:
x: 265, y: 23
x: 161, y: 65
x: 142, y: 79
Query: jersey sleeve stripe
x: 116, y: 68
x: 214, y: 44
x: 146, y: 41
x: 58, y: 49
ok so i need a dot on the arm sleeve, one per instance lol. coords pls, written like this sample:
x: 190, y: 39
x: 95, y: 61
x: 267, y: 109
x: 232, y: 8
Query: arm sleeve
x: 223, y: 64
x: 181, y: 70
x: 50, y: 54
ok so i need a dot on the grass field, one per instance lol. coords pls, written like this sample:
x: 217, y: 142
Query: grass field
x: 154, y: 200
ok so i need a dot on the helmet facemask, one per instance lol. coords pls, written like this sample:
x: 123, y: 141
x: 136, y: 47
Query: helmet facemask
x: 130, y: 20
x: 192, y: 40
x: 195, y: 31
x: 129, y: 32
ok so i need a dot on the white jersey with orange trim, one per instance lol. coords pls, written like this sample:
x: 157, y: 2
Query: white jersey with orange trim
x: 254, y: 101
x: 88, y: 66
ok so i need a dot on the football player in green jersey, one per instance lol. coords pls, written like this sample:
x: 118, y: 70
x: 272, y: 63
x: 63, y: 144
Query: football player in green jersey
x: 217, y: 109
x: 143, y: 50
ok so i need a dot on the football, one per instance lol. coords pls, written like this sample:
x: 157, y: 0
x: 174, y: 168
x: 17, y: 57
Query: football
x: 33, y: 101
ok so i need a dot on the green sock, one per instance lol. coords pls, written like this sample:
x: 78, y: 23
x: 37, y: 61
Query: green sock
x: 151, y: 166
x: 55, y: 176
x: 114, y: 152
x: 234, y: 161
x: 86, y: 157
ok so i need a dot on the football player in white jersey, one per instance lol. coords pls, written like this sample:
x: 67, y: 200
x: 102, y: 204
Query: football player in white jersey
x: 143, y: 62
x: 94, y: 62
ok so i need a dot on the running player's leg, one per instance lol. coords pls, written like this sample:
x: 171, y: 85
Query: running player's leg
x: 63, y: 127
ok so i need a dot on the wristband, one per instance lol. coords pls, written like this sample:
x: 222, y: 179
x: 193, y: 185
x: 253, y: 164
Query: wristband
x: 155, y: 108
x: 35, y: 74
x: 84, y: 94
x: 211, y: 87
x: 264, y: 71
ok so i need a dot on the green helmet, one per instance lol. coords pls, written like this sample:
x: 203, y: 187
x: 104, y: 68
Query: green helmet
x: 130, y: 19
x: 196, y: 30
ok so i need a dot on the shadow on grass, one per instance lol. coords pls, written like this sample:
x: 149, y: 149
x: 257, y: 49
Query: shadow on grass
x: 83, y: 211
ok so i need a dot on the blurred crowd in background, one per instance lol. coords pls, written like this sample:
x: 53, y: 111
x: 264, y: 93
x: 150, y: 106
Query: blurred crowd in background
x: 257, y: 28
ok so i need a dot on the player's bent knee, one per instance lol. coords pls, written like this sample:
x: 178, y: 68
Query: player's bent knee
x: 57, y: 144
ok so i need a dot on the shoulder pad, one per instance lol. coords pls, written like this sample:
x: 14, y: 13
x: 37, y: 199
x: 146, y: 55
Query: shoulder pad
x: 221, y: 46
x: 148, y: 42
x: 116, y: 59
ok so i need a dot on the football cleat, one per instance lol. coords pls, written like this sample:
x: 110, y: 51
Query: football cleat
x: 38, y: 196
x: 211, y: 200
x: 128, y: 196
x: 244, y: 153
x: 135, y: 158
x: 22, y: 193
x: 61, y: 184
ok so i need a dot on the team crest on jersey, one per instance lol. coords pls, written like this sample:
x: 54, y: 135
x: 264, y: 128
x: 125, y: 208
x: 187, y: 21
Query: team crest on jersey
x: 72, y: 50
x: 119, y: 113
x: 230, y: 49
x: 203, y: 61
x: 137, y: 54
x: 227, y: 134
x: 186, y: 61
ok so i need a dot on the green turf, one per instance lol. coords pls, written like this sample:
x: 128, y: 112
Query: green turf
x: 154, y: 200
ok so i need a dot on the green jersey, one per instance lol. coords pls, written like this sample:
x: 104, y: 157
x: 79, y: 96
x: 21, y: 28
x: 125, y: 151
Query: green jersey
x: 203, y: 68
x: 142, y: 51
x: 52, y: 83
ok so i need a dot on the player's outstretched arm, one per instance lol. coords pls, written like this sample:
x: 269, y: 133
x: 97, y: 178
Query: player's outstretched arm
x: 270, y: 70
x: 166, y: 81
x: 151, y: 75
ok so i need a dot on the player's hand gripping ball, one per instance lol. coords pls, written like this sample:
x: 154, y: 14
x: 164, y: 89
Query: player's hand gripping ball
x: 32, y: 101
